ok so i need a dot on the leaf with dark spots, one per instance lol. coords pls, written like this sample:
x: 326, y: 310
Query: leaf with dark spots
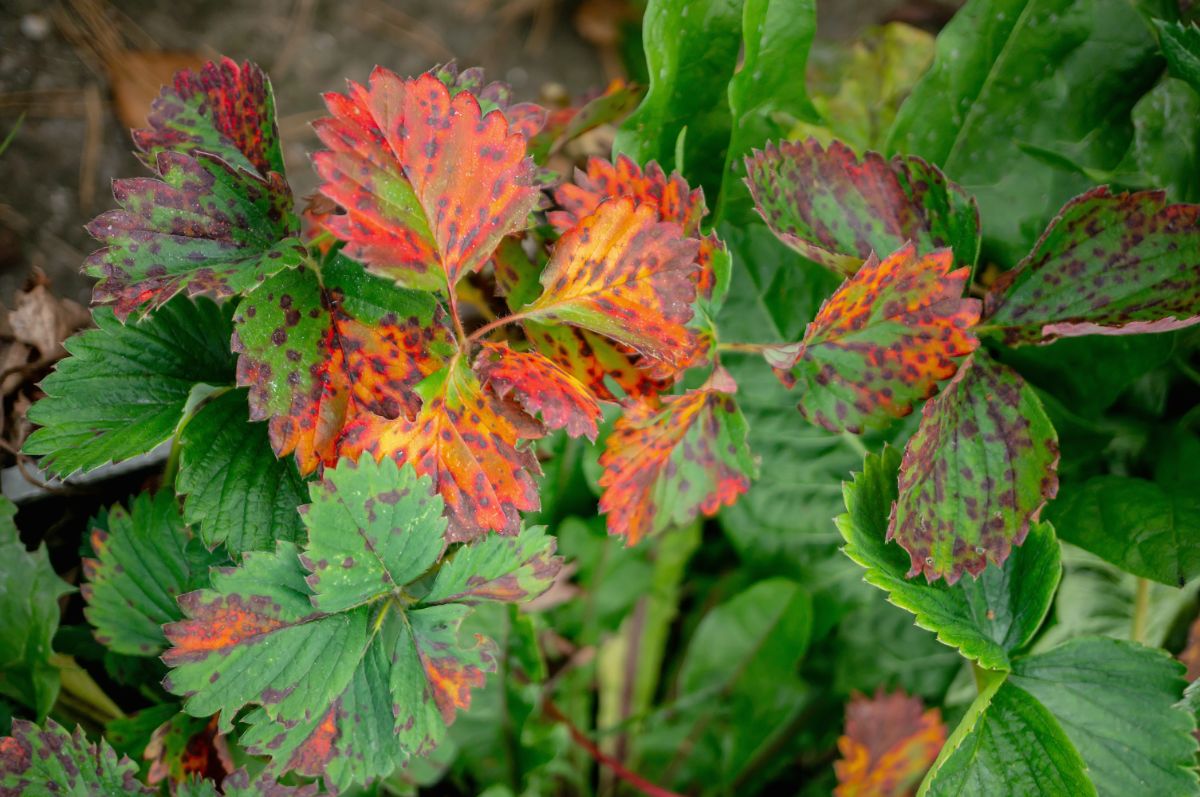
x: 429, y: 184
x: 541, y: 387
x: 222, y: 109
x: 239, y: 784
x: 524, y: 118
x: 203, y: 228
x: 468, y: 441
x: 837, y: 209
x: 1108, y: 264
x: 625, y: 274
x: 890, y: 741
x: 610, y: 371
x: 48, y: 761
x: 187, y: 747
x: 665, y: 465
x: 882, y: 341
x: 498, y: 568
x: 978, y: 471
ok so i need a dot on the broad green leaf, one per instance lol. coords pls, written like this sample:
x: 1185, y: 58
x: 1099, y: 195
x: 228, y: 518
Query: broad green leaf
x: 1165, y: 152
x: 236, y: 491
x: 1116, y: 702
x: 145, y: 559
x: 976, y: 474
x: 124, y: 388
x: 987, y: 618
x: 48, y: 761
x: 497, y: 568
x: 1107, y: 264
x: 1007, y: 74
x: 1181, y: 45
x: 29, y: 593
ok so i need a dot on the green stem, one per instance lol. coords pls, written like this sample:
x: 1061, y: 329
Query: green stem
x: 1141, y: 609
x: 172, y: 468
x: 489, y: 326
x: 746, y: 348
x: 856, y: 443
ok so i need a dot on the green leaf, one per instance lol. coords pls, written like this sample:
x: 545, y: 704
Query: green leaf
x: 124, y: 388
x: 1165, y: 152
x: 498, y: 568
x: 1181, y: 45
x: 29, y: 593
x: 236, y: 491
x: 987, y: 618
x: 37, y: 762
x: 145, y: 559
x: 977, y: 472
x: 1012, y: 73
x: 1116, y: 701
x: 239, y: 784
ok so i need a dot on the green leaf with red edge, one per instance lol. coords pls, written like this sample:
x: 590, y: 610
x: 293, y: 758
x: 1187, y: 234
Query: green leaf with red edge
x: 889, y: 743
x: 47, y: 761
x: 145, y: 559
x: 498, y: 568
x: 836, y: 208
x: 338, y: 658
x: 429, y: 185
x: 664, y: 465
x: 222, y: 109
x: 1108, y: 264
x: 524, y: 118
x: 627, y: 275
x: 205, y: 227
x: 596, y: 362
x: 978, y: 471
x: 321, y: 346
x: 468, y: 441
x: 541, y: 387
x: 882, y: 341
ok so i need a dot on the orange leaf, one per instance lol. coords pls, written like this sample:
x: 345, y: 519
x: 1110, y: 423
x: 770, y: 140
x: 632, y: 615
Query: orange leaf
x: 540, y: 387
x: 889, y: 744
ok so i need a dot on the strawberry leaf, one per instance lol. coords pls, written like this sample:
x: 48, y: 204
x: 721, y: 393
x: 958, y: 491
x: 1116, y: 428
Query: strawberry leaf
x: 124, y: 389
x: 837, y: 209
x: 1181, y: 46
x: 979, y: 469
x: 596, y: 362
x: 882, y: 341
x: 524, y: 118
x: 145, y: 559
x: 496, y: 568
x: 663, y: 466
x: 41, y: 762
x: 239, y: 784
x: 184, y: 746
x: 889, y: 743
x: 1108, y: 264
x: 429, y: 184
x: 236, y: 491
x: 541, y: 388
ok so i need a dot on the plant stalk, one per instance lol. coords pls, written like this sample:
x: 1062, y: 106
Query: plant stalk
x: 1141, y: 611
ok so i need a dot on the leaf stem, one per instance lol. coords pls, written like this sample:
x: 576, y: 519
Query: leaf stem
x: 459, y: 333
x: 496, y: 324
x: 747, y: 348
x: 1141, y: 610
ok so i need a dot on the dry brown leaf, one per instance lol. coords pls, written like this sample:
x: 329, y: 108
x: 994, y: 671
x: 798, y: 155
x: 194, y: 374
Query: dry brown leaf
x: 889, y: 743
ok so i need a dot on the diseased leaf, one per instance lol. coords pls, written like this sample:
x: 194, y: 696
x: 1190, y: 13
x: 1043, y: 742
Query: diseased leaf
x: 37, y: 762
x: 1181, y: 45
x: 29, y: 593
x: 665, y: 465
x: 975, y: 475
x: 238, y: 784
x: 889, y: 742
x: 837, y: 209
x: 497, y: 568
x: 525, y: 118
x: 597, y: 362
x: 124, y: 388
x: 145, y: 559
x: 185, y: 747
x: 882, y: 341
x: 988, y: 618
x: 1108, y: 264
x: 429, y: 184
x: 541, y: 387
x: 236, y: 491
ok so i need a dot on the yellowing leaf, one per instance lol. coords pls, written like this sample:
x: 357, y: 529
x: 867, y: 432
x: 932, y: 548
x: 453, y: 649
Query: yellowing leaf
x: 889, y: 744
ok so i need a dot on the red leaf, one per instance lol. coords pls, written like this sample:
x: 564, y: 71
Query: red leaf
x: 595, y: 361
x: 889, y: 744
x: 540, y: 387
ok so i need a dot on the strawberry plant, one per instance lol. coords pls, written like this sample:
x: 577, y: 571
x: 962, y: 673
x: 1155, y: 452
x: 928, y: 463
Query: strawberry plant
x: 517, y: 480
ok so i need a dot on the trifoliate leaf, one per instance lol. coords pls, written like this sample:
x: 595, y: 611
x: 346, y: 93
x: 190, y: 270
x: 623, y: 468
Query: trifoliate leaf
x: 975, y: 475
x: 236, y: 491
x: 37, y: 762
x: 665, y: 465
x: 144, y: 561
x: 29, y: 593
x: 882, y: 341
x: 1108, y: 264
x: 988, y: 618
x: 124, y: 388
x: 429, y: 184
x: 837, y: 209
x: 541, y: 387
x: 889, y: 742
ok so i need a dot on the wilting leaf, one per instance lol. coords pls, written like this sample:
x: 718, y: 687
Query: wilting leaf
x: 976, y: 474
x: 467, y: 441
x: 186, y: 747
x: 124, y: 388
x: 837, y: 209
x: 882, y: 342
x: 145, y: 559
x: 41, y: 763
x: 1108, y: 264
x: 596, y: 362
x: 623, y: 273
x: 989, y: 618
x: 541, y: 387
x: 338, y: 645
x: 222, y: 109
x: 429, y: 185
x: 29, y: 593
x: 889, y: 742
x: 665, y: 465
x: 1181, y: 45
